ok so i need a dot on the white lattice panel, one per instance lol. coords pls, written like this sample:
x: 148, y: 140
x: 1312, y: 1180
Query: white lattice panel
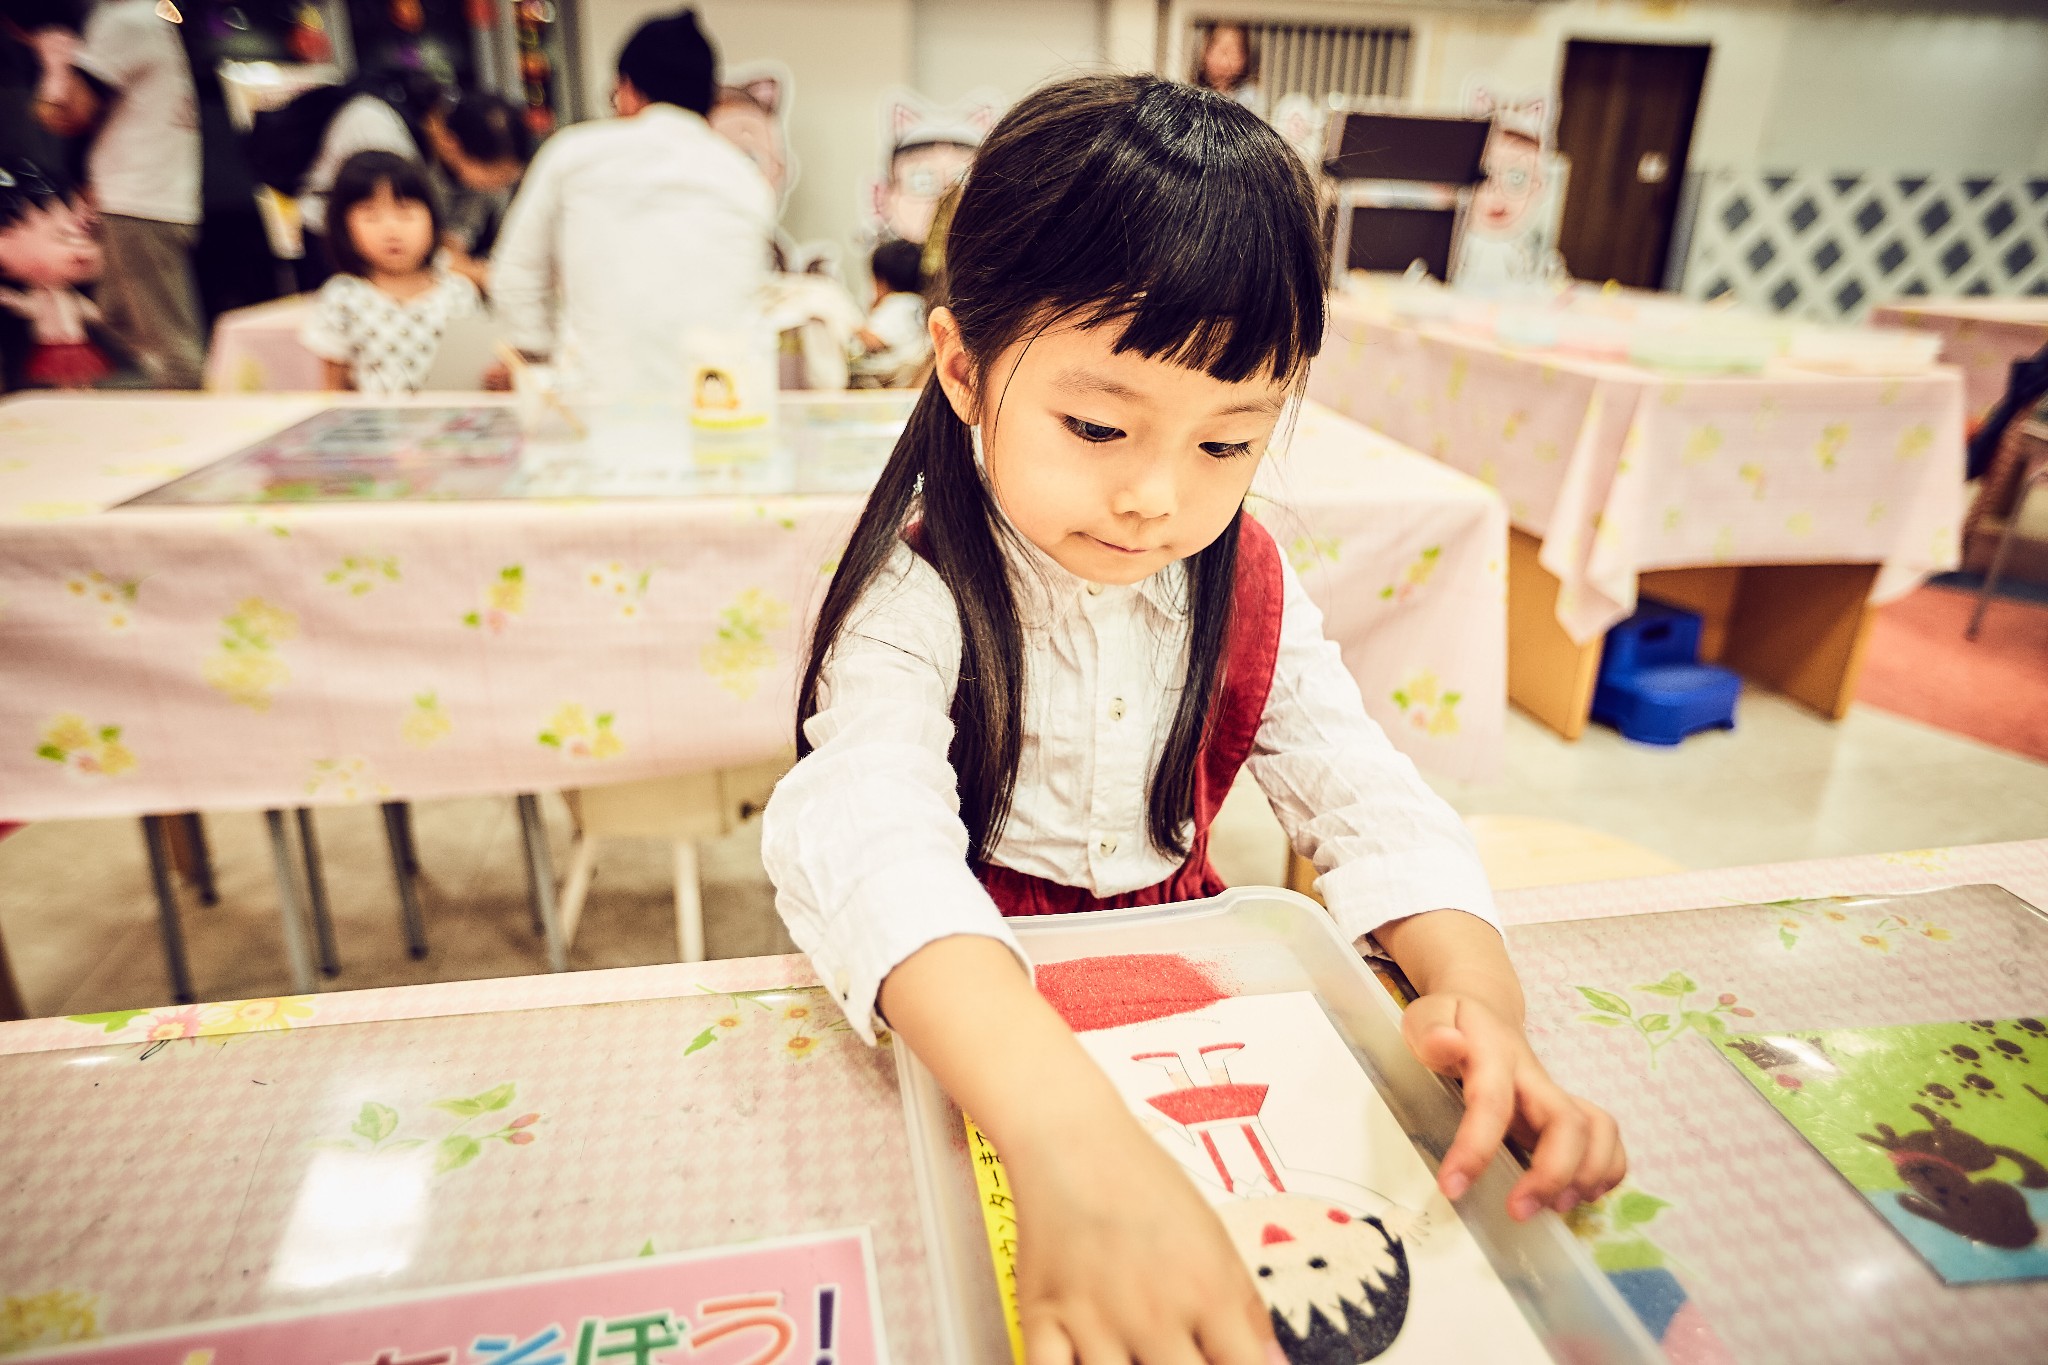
x: 1832, y: 246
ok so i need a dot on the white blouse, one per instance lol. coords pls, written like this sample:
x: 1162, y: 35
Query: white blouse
x: 864, y: 841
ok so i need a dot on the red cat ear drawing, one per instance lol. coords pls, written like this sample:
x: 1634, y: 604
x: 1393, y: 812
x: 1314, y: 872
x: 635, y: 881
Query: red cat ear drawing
x: 1273, y: 1233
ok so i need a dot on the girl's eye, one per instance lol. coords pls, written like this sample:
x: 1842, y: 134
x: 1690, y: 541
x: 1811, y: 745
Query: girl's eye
x: 1227, y: 450
x: 1092, y: 432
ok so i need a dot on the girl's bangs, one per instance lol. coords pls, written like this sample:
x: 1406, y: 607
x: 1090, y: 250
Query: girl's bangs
x: 1193, y: 228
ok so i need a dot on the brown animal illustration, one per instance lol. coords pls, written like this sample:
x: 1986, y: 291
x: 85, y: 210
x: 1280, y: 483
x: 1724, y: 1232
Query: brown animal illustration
x: 1938, y: 1163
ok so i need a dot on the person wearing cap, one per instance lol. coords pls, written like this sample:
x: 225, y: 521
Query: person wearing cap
x: 629, y: 233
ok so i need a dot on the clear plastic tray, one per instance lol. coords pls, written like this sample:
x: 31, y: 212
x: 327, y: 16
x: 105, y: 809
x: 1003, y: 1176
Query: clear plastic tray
x: 1264, y: 941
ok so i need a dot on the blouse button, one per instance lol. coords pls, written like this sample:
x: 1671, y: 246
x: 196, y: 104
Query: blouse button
x: 1095, y: 590
x: 1107, y: 846
x: 1116, y: 708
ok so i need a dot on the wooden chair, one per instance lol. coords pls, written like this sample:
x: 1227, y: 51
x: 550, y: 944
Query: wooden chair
x: 679, y: 810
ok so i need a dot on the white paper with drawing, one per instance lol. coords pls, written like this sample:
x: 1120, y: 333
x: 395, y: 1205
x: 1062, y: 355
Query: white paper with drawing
x: 1355, y: 1251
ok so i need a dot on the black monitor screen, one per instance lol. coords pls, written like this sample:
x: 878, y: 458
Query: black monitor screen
x: 1442, y: 151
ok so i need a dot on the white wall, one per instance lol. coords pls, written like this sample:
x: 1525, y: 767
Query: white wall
x: 1921, y: 91
x: 1935, y: 84
x: 1011, y: 46
x: 1880, y: 84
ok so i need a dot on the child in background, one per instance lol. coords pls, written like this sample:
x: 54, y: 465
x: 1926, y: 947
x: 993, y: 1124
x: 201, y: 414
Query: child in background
x: 1050, y: 645
x: 378, y: 320
x: 891, y: 349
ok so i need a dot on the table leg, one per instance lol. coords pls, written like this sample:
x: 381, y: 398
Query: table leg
x: 541, y: 880
x: 402, y: 864
x: 192, y: 857
x: 158, y: 843
x: 412, y: 848
x: 296, y: 949
x: 1550, y: 675
x: 316, y: 894
x: 689, y: 902
x: 12, y: 1006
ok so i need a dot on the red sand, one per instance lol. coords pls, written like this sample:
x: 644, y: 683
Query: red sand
x: 1106, y: 992
x: 1210, y: 1103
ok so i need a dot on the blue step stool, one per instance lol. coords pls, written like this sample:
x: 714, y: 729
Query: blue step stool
x: 1652, y: 687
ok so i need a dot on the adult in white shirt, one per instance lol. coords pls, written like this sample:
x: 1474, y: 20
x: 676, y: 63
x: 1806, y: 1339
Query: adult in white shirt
x: 131, y: 81
x: 630, y: 234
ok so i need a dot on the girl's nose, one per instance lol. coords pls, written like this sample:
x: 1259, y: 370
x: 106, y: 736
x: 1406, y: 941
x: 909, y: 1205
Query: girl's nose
x: 1147, y: 492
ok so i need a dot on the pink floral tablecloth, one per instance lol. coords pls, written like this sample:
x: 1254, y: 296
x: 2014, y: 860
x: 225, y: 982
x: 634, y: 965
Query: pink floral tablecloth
x: 1981, y: 337
x: 1619, y: 469
x: 257, y: 350
x: 164, y: 658
x: 472, y: 1130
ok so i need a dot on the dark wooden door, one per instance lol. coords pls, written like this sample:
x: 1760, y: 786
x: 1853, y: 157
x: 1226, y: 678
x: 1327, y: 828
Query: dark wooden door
x: 1625, y: 121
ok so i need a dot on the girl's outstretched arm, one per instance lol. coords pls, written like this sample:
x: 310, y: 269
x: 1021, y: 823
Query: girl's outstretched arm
x: 1466, y: 1022
x: 1119, y: 1257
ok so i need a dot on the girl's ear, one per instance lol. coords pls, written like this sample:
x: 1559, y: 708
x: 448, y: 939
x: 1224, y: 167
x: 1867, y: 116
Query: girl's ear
x: 950, y: 361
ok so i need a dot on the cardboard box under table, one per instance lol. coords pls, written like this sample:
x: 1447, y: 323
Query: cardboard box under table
x: 1782, y: 506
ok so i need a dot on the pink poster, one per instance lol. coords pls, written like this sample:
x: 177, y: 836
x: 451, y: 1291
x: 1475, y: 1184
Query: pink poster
x: 793, y: 1301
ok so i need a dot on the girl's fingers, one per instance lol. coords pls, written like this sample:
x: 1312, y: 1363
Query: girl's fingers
x: 1560, y: 1148
x: 1095, y: 1341
x: 1045, y: 1343
x: 1596, y: 1173
x: 1171, y: 1348
x: 1489, y: 1109
x: 1238, y: 1335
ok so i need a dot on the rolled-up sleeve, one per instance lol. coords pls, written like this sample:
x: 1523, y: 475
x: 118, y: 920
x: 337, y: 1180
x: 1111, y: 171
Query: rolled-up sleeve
x: 1383, y: 844
x: 863, y: 839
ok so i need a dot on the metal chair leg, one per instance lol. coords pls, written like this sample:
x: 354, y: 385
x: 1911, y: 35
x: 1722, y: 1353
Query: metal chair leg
x: 159, y: 846
x: 296, y: 949
x: 533, y: 909
x: 316, y: 894
x: 412, y: 848
x: 541, y: 880
x: 1998, y: 556
x: 408, y: 895
x: 202, y: 857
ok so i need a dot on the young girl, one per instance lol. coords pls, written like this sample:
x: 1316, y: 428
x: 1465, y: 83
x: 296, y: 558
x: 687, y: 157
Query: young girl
x: 378, y: 320
x: 1051, y: 643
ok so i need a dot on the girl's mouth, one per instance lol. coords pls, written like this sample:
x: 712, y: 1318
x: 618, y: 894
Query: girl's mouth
x: 1113, y: 546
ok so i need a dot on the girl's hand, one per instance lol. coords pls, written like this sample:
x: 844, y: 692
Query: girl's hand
x: 1120, y: 1259
x: 1576, y: 1151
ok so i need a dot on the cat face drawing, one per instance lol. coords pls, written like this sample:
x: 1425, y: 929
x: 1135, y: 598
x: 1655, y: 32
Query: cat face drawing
x: 1328, y: 1257
x: 1336, y: 1283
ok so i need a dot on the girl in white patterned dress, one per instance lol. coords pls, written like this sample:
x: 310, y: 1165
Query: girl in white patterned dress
x: 378, y: 321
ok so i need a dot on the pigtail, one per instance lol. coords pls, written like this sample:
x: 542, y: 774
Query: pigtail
x: 932, y: 476
x: 1211, y: 589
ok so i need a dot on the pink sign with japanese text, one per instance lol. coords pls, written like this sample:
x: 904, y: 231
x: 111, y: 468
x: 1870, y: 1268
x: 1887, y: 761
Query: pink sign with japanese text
x: 793, y: 1301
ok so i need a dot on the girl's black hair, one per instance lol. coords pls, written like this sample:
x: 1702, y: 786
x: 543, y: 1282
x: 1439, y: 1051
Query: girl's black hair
x: 359, y: 178
x: 490, y: 129
x: 1170, y: 213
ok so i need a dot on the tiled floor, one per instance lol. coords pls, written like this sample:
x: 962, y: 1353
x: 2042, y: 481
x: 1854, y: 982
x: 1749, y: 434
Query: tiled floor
x: 81, y: 926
